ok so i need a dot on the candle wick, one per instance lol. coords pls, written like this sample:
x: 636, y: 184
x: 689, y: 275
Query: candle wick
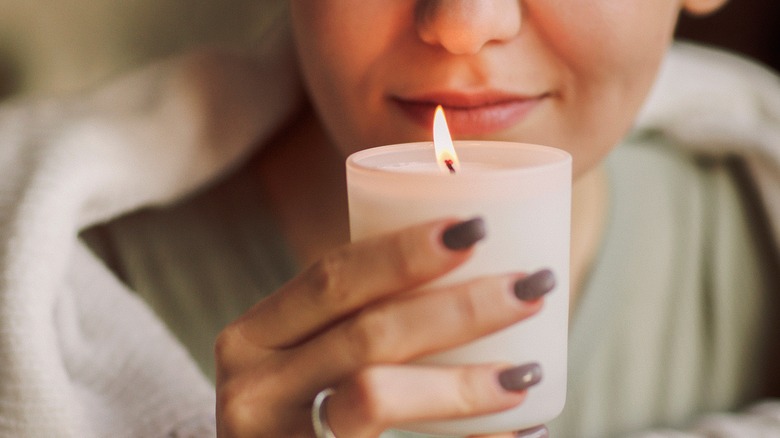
x: 450, y: 165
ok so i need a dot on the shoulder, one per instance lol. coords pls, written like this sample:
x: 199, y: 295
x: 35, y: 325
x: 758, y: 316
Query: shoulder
x: 703, y: 93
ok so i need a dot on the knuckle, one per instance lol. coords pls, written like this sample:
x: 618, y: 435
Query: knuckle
x: 227, y: 343
x: 467, y: 306
x: 233, y: 351
x: 326, y: 277
x: 368, y: 399
x: 238, y: 398
x: 371, y: 336
x: 408, y: 265
x: 233, y: 412
x: 469, y: 397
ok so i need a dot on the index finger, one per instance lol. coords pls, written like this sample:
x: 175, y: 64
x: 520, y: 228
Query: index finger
x: 356, y: 275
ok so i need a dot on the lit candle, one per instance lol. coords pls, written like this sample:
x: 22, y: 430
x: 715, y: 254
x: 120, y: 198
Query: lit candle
x: 446, y: 157
x: 523, y: 193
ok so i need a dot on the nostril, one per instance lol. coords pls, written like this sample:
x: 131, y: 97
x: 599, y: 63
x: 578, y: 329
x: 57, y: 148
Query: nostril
x: 466, y: 26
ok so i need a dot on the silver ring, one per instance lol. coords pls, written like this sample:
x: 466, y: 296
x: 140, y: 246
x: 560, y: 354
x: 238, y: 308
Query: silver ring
x: 318, y: 418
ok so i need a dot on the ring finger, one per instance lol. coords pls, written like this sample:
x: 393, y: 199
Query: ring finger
x: 383, y: 397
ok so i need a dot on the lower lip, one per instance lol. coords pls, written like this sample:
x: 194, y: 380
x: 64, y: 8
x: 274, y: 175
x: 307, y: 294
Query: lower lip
x: 484, y: 119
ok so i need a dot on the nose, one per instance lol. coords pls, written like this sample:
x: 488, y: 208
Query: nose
x: 463, y: 27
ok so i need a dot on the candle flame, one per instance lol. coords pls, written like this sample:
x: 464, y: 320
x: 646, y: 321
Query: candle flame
x: 442, y: 143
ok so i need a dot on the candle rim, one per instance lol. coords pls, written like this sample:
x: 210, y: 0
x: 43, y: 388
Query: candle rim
x: 559, y: 158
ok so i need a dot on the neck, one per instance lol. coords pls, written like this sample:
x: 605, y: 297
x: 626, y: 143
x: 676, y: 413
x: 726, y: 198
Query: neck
x: 590, y: 199
x: 304, y: 181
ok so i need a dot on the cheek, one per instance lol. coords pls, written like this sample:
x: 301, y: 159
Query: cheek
x: 342, y: 55
x: 613, y: 48
x: 609, y: 53
x: 327, y: 51
x: 606, y: 36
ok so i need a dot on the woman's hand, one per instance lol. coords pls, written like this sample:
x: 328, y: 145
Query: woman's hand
x: 349, y: 323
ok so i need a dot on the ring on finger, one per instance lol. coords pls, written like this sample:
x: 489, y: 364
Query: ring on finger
x: 318, y: 418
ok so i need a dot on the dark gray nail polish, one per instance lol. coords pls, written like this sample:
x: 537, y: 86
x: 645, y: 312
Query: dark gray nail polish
x: 521, y: 377
x: 464, y: 234
x: 535, y: 285
x: 534, y: 432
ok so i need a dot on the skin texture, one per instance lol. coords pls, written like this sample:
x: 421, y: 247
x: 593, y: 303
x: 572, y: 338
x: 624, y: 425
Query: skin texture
x: 357, y: 56
x: 586, y: 67
x: 350, y: 331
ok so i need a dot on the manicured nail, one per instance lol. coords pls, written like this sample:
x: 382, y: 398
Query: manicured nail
x: 521, y: 377
x: 535, y: 285
x: 464, y: 234
x: 534, y: 432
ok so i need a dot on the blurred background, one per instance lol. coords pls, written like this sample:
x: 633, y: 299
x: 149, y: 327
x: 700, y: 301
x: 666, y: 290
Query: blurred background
x: 750, y: 27
x: 56, y: 46
x: 49, y: 47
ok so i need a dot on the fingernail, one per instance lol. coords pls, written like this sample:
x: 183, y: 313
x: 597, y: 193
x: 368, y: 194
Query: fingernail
x: 535, y: 285
x: 521, y: 377
x: 534, y: 432
x: 464, y: 234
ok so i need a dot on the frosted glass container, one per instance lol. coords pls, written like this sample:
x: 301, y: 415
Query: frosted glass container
x: 523, y: 192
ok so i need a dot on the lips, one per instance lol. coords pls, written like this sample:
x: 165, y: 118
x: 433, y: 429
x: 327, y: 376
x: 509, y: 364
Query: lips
x: 470, y: 114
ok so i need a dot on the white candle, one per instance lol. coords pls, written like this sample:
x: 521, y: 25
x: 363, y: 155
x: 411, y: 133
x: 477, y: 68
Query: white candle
x: 523, y: 192
x: 433, y: 168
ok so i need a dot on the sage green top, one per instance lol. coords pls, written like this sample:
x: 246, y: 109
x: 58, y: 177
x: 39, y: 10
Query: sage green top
x: 670, y: 324
x: 673, y: 319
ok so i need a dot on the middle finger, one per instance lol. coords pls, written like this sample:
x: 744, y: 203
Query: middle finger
x: 419, y: 324
x: 355, y: 275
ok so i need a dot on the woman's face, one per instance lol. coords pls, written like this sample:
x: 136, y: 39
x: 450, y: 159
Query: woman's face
x: 569, y: 74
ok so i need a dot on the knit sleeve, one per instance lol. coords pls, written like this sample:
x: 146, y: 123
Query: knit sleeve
x: 79, y: 354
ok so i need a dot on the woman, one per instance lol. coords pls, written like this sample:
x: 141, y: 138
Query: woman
x: 570, y: 75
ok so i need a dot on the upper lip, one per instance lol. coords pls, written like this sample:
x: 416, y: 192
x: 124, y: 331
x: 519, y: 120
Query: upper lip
x: 466, y: 100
